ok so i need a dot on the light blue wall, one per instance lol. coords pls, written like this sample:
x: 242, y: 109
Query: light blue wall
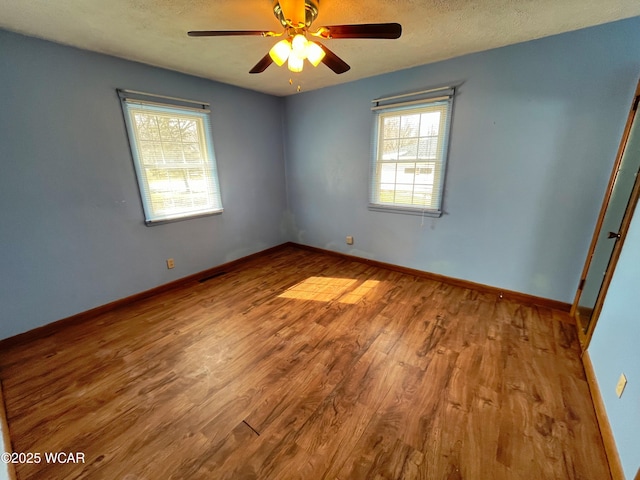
x: 615, y: 349
x: 534, y: 135
x: 71, y: 223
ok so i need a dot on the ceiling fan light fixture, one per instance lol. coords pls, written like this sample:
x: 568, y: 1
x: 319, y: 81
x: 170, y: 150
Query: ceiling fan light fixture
x: 296, y: 63
x: 280, y: 52
x: 296, y: 19
x: 315, y: 53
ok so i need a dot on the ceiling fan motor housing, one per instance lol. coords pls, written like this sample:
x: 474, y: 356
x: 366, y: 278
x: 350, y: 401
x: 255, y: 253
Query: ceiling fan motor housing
x: 310, y: 11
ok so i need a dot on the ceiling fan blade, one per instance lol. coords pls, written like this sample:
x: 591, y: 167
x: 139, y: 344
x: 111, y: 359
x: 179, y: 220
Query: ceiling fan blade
x: 364, y: 30
x: 262, y: 65
x: 229, y: 33
x: 333, y: 61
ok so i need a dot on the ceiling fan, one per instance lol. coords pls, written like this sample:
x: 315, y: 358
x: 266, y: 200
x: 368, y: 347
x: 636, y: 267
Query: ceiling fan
x: 296, y: 16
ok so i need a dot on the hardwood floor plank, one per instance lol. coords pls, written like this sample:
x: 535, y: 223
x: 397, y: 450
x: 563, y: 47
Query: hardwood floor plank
x: 380, y: 454
x: 301, y: 365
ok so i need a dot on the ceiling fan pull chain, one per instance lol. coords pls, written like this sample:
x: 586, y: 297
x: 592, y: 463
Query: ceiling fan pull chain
x: 298, y: 88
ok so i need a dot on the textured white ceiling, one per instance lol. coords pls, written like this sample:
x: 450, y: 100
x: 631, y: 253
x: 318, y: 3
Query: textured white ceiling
x: 154, y: 32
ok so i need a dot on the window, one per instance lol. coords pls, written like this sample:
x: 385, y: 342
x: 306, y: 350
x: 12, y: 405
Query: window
x: 409, y: 153
x: 173, y: 156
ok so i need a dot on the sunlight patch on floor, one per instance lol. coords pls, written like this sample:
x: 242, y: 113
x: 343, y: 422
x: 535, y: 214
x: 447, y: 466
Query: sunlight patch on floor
x: 323, y: 289
x: 358, y: 294
x: 326, y: 289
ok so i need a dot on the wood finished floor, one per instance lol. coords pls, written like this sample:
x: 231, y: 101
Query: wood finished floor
x: 300, y: 365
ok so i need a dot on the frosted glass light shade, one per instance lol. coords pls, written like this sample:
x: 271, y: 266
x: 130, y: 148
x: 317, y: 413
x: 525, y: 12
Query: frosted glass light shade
x: 295, y: 62
x: 299, y: 46
x: 280, y: 52
x: 315, y: 53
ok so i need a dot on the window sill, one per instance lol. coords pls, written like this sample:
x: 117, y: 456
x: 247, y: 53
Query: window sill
x: 405, y: 210
x: 162, y: 221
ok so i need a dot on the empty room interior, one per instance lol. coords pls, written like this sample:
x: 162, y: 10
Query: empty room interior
x: 417, y: 257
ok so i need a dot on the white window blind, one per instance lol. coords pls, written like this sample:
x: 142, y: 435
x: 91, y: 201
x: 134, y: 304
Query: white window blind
x: 409, y: 154
x: 172, y: 151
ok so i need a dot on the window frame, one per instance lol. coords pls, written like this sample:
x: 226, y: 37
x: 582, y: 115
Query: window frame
x: 413, y: 103
x: 200, y: 114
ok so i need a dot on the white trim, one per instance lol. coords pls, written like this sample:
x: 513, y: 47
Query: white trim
x: 136, y: 101
x: 423, y: 212
x: 415, y: 94
x: 412, y: 102
x: 126, y: 94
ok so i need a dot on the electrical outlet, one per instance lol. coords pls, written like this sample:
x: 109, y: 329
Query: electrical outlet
x: 170, y: 263
x: 622, y: 382
x: 349, y: 240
